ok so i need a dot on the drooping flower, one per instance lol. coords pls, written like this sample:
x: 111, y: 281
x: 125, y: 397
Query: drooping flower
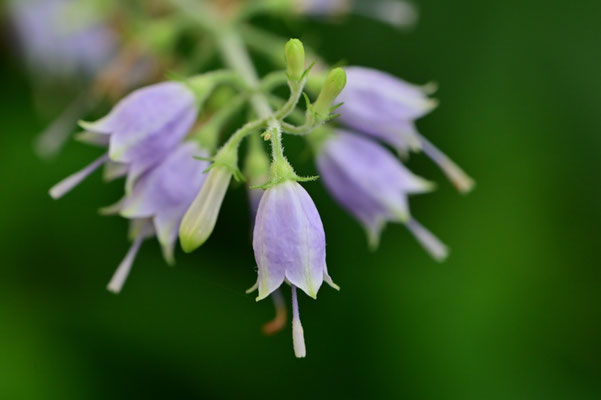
x: 62, y: 37
x: 373, y: 186
x: 385, y: 107
x: 289, y: 246
x: 160, y: 198
x: 140, y: 131
x: 400, y: 14
x: 289, y: 241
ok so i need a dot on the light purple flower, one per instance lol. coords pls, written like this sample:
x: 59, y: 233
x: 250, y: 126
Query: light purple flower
x: 289, y: 245
x: 62, y: 37
x: 140, y: 131
x: 400, y: 14
x: 161, y: 197
x: 373, y: 185
x: 289, y: 241
x: 385, y: 107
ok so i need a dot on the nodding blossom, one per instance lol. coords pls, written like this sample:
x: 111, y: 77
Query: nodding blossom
x: 385, y: 107
x: 373, y: 186
x: 400, y: 14
x: 158, y: 202
x: 139, y: 132
x: 289, y: 245
x: 62, y: 37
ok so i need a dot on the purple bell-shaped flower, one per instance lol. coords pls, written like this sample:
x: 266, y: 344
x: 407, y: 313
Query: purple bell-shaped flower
x: 158, y: 202
x: 373, y: 185
x: 139, y: 132
x: 385, y: 107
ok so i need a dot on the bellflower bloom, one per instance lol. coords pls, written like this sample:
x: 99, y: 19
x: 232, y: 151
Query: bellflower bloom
x: 373, y: 186
x: 385, y: 107
x: 161, y: 197
x: 140, y: 131
x: 62, y: 37
x: 289, y: 241
x: 289, y: 245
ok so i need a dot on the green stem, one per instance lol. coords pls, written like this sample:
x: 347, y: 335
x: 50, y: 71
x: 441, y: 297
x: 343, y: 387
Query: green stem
x: 208, y: 134
x: 198, y: 11
x: 236, y: 57
x: 296, y: 90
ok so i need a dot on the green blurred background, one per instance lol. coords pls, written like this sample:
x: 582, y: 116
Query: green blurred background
x: 515, y: 313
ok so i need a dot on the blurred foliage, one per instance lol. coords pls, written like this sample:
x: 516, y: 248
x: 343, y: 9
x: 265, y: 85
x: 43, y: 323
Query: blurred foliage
x: 514, y: 314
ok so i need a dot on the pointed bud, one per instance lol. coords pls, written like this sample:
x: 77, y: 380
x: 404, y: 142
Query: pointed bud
x: 295, y: 59
x: 335, y: 82
x: 200, y: 219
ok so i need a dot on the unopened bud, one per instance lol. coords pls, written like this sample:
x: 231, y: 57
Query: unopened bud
x: 333, y: 86
x: 295, y: 59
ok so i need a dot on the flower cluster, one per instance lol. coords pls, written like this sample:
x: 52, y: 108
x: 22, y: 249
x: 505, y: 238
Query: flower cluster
x: 165, y: 141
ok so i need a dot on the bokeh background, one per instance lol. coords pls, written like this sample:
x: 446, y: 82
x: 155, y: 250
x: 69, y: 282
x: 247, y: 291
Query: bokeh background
x: 515, y: 313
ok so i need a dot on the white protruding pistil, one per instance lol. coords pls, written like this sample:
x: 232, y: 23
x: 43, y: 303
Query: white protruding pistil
x: 298, y: 336
x: 122, y: 272
x: 438, y: 250
x: 456, y: 175
x: 70, y: 182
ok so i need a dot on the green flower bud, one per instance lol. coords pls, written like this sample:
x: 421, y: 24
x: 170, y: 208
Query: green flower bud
x: 295, y: 59
x: 335, y: 82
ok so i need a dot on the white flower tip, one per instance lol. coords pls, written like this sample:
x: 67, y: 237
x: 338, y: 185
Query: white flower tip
x: 462, y: 181
x: 331, y: 283
x: 432, y: 104
x: 464, y: 184
x: 298, y: 339
x: 113, y: 209
x: 114, y: 288
x: 262, y: 294
x: 66, y: 185
x: 252, y: 288
x: 88, y: 126
x: 168, y: 253
x: 430, y: 88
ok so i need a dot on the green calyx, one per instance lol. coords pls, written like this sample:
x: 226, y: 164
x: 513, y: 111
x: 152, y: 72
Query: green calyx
x: 281, y: 171
x: 227, y: 158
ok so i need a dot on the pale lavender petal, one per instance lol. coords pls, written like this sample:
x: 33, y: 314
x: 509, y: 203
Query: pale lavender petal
x: 368, y: 181
x: 150, y: 122
x: 289, y: 240
x: 271, y: 272
x: 59, y: 37
x: 170, y: 187
x: 385, y: 107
